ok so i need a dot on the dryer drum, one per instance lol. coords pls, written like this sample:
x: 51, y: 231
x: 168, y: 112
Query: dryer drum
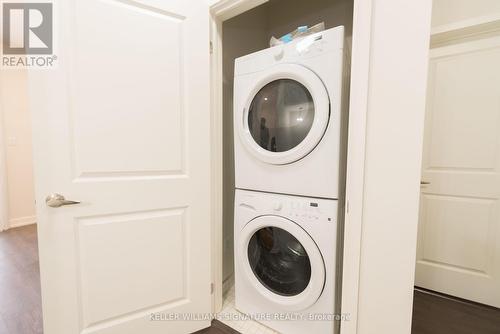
x: 281, y: 115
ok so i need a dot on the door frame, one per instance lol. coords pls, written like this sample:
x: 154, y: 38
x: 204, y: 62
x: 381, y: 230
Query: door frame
x: 225, y: 9
x: 448, y: 40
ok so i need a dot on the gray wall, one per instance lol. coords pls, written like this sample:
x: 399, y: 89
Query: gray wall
x: 286, y: 15
x: 250, y: 32
x: 241, y: 35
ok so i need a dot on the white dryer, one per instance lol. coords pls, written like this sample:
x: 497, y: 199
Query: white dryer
x: 285, y: 261
x: 290, y: 115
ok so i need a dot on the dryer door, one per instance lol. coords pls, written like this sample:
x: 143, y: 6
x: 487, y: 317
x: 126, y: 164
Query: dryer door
x: 282, y: 261
x: 285, y: 115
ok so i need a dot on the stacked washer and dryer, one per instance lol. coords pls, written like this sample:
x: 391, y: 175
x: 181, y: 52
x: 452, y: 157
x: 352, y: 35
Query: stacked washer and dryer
x: 289, y: 125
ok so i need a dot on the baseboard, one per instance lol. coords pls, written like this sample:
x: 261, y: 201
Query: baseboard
x: 23, y: 221
x: 456, y: 299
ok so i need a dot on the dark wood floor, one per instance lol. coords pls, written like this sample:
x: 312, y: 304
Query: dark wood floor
x: 20, y: 302
x: 439, y: 314
x: 218, y: 328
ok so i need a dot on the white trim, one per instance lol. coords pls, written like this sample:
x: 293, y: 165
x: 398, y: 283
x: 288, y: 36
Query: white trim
x: 226, y: 9
x: 355, y: 175
x: 22, y: 221
x: 474, y: 28
x: 217, y: 163
x: 462, y: 48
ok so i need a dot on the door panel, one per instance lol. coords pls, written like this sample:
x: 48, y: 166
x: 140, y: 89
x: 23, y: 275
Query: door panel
x: 122, y: 125
x: 451, y: 240
x: 459, y: 232
x: 148, y: 43
x: 465, y: 112
x: 115, y: 242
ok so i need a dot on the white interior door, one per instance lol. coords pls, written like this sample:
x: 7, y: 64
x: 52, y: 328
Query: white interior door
x: 122, y: 125
x: 459, y: 232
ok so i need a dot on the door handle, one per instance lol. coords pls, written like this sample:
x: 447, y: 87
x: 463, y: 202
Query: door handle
x: 58, y: 200
x: 424, y: 183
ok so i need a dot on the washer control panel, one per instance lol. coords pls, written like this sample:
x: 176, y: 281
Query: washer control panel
x: 296, y: 208
x: 312, y: 210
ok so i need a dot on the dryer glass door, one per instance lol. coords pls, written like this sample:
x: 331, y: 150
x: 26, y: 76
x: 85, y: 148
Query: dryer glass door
x: 281, y: 115
x: 285, y: 115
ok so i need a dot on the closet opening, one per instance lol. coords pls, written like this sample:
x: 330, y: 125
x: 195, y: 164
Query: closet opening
x: 243, y: 35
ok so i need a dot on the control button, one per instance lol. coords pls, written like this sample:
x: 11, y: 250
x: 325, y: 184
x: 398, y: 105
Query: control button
x: 278, y: 206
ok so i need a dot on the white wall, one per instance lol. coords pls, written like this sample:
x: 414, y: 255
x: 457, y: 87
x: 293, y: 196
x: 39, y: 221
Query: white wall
x: 449, y: 11
x: 400, y: 33
x: 4, y: 204
x: 18, y: 146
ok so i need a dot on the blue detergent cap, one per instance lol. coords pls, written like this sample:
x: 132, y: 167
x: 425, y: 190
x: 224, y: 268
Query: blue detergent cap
x: 286, y: 38
x: 302, y: 29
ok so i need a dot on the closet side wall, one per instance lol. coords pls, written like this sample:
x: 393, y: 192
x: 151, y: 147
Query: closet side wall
x: 244, y: 34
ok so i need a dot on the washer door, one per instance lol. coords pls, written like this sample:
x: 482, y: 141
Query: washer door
x: 282, y: 262
x: 285, y: 115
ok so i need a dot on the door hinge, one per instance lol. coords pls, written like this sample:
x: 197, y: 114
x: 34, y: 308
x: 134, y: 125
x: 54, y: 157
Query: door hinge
x: 212, y: 288
x: 211, y: 47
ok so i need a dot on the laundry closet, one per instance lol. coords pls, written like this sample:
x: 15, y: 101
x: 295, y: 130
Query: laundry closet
x: 251, y: 32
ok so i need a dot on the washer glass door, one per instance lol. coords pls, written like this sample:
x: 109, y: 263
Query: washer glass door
x: 282, y: 262
x: 279, y: 261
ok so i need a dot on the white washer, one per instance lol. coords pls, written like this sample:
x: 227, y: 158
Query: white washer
x: 285, y: 261
x: 289, y: 117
